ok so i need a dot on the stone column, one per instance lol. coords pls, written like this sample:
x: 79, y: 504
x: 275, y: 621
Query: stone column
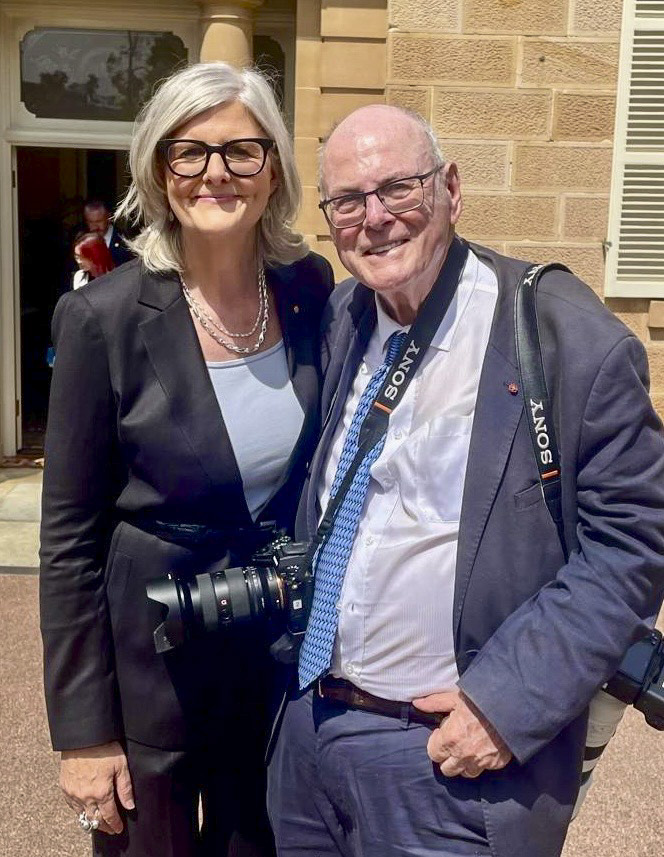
x: 227, y: 31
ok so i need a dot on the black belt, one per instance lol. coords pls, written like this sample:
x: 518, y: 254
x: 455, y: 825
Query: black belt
x: 200, y: 535
x: 340, y: 690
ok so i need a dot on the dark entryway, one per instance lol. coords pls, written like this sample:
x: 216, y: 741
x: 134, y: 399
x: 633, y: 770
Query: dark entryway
x: 52, y: 186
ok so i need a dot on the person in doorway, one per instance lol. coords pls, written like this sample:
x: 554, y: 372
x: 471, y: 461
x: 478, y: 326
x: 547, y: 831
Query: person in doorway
x: 184, y: 408
x: 92, y: 257
x: 97, y: 219
x: 452, y: 648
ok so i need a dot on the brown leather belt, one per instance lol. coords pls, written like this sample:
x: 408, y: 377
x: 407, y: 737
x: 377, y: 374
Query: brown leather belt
x: 340, y: 690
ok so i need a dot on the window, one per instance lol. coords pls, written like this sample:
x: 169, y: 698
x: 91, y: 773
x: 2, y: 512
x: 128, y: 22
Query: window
x: 635, y: 261
x: 94, y: 74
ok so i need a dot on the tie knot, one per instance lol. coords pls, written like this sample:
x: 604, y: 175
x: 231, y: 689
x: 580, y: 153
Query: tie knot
x: 394, y: 344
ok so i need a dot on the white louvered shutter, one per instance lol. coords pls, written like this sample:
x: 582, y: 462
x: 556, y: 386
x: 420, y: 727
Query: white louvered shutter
x: 635, y: 259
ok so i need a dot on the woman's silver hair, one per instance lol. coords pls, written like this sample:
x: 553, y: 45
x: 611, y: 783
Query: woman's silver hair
x: 180, y: 98
x: 420, y: 121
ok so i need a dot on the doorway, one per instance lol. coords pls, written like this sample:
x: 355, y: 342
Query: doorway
x: 52, y: 186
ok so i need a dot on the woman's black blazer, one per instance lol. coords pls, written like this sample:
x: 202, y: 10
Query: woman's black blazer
x: 135, y: 433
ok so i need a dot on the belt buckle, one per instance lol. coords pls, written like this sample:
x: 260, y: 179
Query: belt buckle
x: 319, y: 688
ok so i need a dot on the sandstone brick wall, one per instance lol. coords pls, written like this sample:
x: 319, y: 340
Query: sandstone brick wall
x: 522, y: 95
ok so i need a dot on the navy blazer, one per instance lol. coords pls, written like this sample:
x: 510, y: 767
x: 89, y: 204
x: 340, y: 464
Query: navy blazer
x: 535, y: 636
x: 135, y: 433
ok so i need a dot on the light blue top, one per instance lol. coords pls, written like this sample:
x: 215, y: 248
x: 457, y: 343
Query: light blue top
x: 263, y: 418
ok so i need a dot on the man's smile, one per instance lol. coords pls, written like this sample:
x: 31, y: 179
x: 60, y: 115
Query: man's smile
x: 383, y: 249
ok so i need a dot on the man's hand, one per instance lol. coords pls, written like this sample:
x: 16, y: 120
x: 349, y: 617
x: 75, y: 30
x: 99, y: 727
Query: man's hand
x: 466, y: 743
x: 91, y: 777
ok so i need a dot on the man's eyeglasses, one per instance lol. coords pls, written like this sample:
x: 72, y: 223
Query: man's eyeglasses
x: 189, y: 158
x: 397, y: 196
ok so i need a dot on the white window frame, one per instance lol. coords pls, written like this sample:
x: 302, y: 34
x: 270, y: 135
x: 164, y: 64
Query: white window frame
x: 638, y: 15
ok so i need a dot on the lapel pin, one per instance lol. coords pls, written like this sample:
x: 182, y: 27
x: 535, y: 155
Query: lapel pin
x: 513, y: 388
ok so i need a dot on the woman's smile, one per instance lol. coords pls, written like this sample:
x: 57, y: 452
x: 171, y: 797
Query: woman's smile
x: 217, y: 197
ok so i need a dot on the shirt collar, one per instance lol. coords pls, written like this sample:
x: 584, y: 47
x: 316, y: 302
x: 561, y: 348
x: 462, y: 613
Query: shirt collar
x: 444, y: 335
x: 108, y: 234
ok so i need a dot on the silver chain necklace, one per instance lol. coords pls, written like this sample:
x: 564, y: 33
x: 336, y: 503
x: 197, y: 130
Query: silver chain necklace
x: 218, y: 332
x: 220, y: 326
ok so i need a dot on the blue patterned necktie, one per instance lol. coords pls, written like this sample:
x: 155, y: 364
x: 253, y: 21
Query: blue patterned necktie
x: 332, y: 558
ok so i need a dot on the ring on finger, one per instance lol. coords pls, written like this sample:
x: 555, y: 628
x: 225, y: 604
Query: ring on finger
x: 88, y: 824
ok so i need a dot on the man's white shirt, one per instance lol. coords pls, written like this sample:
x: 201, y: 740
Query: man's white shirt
x: 395, y: 636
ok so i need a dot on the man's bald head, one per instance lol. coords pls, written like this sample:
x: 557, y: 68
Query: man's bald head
x: 392, y: 203
x: 381, y: 121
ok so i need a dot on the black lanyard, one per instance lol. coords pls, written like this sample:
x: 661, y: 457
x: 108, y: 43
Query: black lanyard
x: 399, y: 376
x: 539, y: 412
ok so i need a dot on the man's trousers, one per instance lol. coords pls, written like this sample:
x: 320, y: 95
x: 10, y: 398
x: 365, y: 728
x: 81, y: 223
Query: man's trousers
x: 356, y: 784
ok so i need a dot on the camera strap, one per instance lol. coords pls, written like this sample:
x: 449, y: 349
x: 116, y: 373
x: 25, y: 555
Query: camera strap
x: 399, y: 376
x: 535, y: 394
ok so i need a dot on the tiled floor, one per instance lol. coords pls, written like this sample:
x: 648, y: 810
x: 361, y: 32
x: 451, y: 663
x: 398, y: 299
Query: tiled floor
x: 20, y: 502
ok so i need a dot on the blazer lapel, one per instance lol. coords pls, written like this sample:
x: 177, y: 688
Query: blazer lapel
x: 176, y: 357
x: 497, y: 414
x: 347, y: 353
x: 302, y: 347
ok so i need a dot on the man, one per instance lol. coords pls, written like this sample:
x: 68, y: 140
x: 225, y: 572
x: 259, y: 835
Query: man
x: 443, y: 588
x: 98, y: 219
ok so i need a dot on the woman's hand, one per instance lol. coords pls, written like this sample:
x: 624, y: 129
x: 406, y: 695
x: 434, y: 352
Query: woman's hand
x: 90, y: 779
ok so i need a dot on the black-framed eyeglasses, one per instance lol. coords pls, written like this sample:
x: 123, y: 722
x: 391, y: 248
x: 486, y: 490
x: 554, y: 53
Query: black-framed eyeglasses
x: 397, y: 196
x: 189, y: 158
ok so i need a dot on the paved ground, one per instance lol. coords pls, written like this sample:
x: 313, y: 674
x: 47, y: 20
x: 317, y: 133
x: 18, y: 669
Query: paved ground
x: 20, y: 497
x: 623, y: 815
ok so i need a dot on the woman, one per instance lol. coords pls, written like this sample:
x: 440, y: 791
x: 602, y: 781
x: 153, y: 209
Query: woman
x: 183, y: 410
x: 92, y: 257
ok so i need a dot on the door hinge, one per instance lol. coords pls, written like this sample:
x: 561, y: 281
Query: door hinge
x: 13, y: 178
x: 18, y: 408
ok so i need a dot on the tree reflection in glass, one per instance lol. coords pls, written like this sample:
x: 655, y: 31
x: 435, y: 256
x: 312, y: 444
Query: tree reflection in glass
x: 94, y: 74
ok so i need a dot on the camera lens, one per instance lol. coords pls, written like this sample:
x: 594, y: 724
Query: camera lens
x: 214, y: 601
x: 234, y: 596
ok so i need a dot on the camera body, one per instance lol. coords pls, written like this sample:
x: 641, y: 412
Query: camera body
x: 639, y: 680
x: 277, y: 587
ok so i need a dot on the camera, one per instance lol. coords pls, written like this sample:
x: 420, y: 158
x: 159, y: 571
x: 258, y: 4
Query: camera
x: 639, y: 680
x: 276, y: 587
